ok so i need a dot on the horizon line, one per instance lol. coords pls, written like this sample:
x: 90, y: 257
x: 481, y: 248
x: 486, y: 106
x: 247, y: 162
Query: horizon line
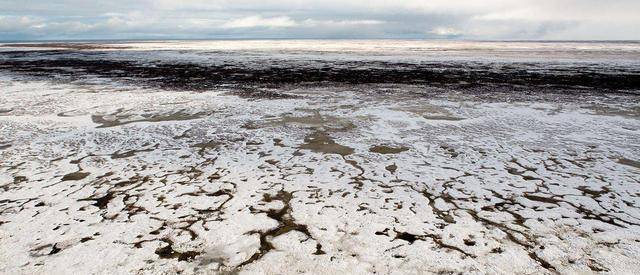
x: 78, y: 40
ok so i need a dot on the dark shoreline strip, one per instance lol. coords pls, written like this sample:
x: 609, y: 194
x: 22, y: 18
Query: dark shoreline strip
x: 200, y: 77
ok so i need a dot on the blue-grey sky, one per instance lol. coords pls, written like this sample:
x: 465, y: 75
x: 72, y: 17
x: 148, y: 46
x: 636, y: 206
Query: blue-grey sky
x: 460, y: 19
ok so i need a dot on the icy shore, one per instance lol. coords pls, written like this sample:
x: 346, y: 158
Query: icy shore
x: 101, y: 176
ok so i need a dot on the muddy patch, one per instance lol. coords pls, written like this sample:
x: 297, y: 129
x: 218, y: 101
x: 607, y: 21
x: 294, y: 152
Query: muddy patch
x: 167, y: 252
x: 313, y: 120
x: 431, y: 112
x: 204, y: 146
x: 118, y: 119
x: 100, y: 202
x: 75, y: 176
x: 321, y: 142
x: 392, y: 168
x: 628, y: 162
x: 383, y: 149
x: 256, y: 93
x: 130, y: 153
x: 286, y: 223
x: 605, y: 110
x: 445, y: 118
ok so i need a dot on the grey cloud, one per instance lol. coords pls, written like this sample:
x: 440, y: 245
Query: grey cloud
x: 469, y: 19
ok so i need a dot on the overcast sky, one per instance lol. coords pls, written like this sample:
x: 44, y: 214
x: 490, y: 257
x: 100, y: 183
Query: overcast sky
x: 422, y: 19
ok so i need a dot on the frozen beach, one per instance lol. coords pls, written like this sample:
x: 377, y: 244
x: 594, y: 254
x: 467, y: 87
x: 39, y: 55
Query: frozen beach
x: 320, y: 157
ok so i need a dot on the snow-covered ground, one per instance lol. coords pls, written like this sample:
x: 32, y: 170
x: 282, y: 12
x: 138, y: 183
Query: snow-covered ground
x: 111, y: 179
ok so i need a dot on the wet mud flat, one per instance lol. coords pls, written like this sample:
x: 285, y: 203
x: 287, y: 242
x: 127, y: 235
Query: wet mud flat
x: 140, y: 167
x: 74, y: 62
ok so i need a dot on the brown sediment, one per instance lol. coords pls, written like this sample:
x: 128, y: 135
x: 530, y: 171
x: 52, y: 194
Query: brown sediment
x: 510, y: 233
x: 86, y: 239
x: 101, y: 202
x: 319, y: 250
x: 286, y: 223
x: 604, y: 110
x: 383, y: 149
x: 16, y: 180
x: 586, y: 190
x: 469, y: 242
x: 251, y: 125
x: 549, y: 200
x: 130, y: 153
x: 449, y: 151
x: 167, y: 252
x: 204, y: 146
x: 75, y: 176
x: 177, y: 116
x: 408, y: 237
x: 411, y: 238
x: 392, y: 168
x: 628, y: 162
x: 430, y: 112
x: 40, y: 251
x: 252, y: 92
x: 19, y: 179
x: 315, y: 120
x: 321, y: 142
x: 278, y: 142
x: 596, y: 267
x: 440, y: 214
x: 446, y: 118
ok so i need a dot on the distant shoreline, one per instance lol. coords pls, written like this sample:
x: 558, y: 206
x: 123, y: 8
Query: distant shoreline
x: 307, y: 39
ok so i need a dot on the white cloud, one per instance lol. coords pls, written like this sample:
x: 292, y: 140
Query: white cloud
x: 315, y: 23
x: 259, y: 21
x: 12, y: 23
x: 445, y: 31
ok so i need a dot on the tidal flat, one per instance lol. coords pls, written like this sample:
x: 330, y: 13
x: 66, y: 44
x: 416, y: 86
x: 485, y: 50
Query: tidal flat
x: 351, y: 158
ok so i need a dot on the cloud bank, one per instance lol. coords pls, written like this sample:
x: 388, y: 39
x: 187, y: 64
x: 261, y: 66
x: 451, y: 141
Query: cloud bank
x: 416, y: 19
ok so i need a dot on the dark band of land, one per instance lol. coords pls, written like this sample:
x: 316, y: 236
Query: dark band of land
x: 191, y: 76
